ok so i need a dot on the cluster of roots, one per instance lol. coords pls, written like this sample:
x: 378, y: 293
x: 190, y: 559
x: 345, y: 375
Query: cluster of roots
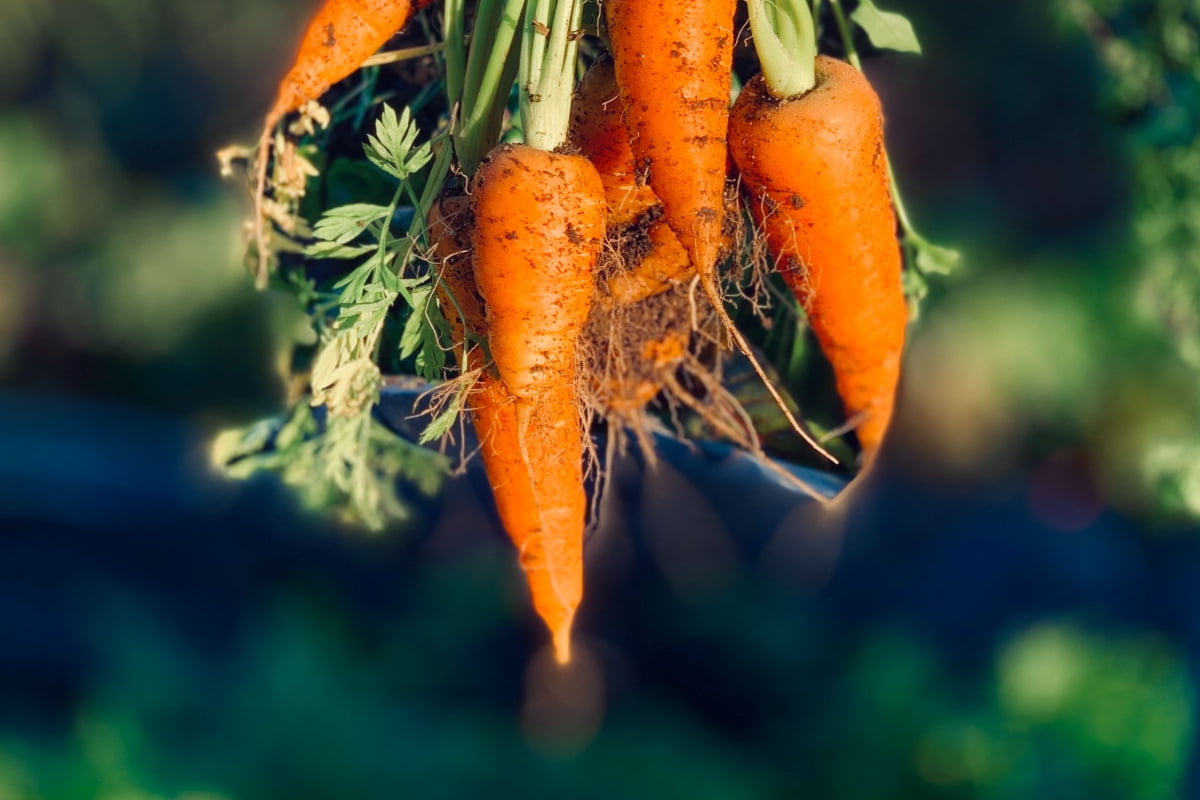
x: 654, y: 347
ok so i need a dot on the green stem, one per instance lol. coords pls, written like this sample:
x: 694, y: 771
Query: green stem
x: 386, y: 230
x: 844, y: 31
x: 485, y: 91
x: 483, y: 38
x: 786, y: 41
x: 455, y: 53
x: 547, y: 78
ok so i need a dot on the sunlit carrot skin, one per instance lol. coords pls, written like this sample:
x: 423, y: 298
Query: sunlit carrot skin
x: 814, y: 173
x: 673, y: 62
x: 538, y: 227
x: 493, y: 412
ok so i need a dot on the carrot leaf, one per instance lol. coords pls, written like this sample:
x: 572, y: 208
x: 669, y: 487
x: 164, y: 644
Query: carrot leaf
x: 351, y: 465
x: 935, y: 259
x: 887, y: 30
x: 344, y: 224
x: 391, y: 147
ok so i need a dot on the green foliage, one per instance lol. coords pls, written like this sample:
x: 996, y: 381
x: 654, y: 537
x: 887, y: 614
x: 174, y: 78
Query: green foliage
x: 887, y: 30
x: 1150, y: 50
x: 348, y: 461
x: 352, y: 465
x: 316, y: 700
x: 391, y: 148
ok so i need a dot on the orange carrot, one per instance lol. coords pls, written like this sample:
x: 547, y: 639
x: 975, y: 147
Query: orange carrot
x: 598, y: 130
x: 493, y: 412
x: 450, y: 234
x: 664, y: 264
x: 538, y: 227
x: 342, y: 35
x: 815, y: 174
x: 673, y: 64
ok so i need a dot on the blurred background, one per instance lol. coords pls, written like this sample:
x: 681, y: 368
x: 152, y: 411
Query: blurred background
x: 1010, y: 608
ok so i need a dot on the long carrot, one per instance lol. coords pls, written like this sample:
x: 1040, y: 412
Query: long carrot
x: 814, y: 171
x: 539, y: 224
x: 519, y: 497
x: 673, y: 66
x: 342, y: 35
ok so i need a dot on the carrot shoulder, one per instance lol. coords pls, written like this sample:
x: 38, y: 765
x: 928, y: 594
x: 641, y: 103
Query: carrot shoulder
x: 538, y: 227
x: 814, y: 171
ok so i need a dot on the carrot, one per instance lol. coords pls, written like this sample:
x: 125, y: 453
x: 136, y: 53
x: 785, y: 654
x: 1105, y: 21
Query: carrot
x: 535, y: 473
x: 673, y: 66
x: 814, y: 171
x: 664, y: 264
x: 598, y: 130
x: 458, y: 297
x: 538, y: 226
x: 342, y: 35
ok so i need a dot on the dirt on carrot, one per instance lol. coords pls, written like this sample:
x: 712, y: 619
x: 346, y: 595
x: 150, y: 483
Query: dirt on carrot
x: 675, y: 95
x: 814, y: 173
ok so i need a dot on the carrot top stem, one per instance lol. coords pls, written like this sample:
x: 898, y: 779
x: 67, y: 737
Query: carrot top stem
x: 547, y: 72
x: 786, y: 41
x: 843, y: 24
x: 486, y: 82
x: 455, y: 54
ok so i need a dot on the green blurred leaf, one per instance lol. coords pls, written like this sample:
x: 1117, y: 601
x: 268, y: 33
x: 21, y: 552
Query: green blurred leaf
x: 935, y: 259
x: 886, y: 29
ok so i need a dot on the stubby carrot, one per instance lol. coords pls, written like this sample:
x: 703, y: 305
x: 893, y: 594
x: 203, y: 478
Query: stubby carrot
x: 598, y: 130
x: 673, y: 64
x: 538, y: 228
x: 342, y: 35
x: 814, y: 172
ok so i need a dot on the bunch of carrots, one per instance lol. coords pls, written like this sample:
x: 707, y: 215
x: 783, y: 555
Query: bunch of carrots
x: 616, y: 206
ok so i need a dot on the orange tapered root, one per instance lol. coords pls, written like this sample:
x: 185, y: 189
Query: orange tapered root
x: 814, y: 173
x: 538, y: 227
